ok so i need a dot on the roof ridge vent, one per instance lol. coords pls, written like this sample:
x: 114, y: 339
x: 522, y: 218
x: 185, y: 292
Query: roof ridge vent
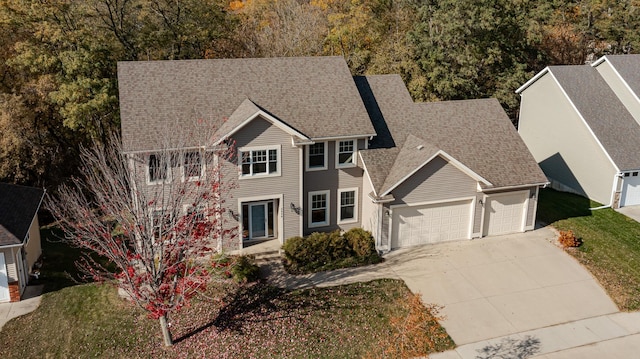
x: 419, y: 147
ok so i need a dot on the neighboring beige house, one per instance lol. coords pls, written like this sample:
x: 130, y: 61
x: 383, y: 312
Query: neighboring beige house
x: 19, y: 238
x: 320, y: 150
x: 581, y: 123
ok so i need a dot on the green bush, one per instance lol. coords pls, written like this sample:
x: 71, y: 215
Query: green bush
x: 245, y: 270
x: 240, y: 268
x: 326, y: 251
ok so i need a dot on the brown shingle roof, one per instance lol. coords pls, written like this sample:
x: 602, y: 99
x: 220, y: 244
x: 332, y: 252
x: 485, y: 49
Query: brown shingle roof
x: 18, y: 206
x: 477, y: 133
x: 314, y: 95
x: 612, y: 124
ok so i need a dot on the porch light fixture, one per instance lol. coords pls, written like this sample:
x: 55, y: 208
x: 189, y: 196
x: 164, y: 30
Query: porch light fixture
x: 295, y: 209
x: 480, y: 202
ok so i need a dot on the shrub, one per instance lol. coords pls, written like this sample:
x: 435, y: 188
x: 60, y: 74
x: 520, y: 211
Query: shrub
x: 245, y: 270
x: 240, y: 268
x: 326, y: 251
x: 568, y: 239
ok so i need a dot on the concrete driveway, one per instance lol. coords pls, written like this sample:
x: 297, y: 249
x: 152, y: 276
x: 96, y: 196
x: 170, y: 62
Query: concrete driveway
x: 498, y: 286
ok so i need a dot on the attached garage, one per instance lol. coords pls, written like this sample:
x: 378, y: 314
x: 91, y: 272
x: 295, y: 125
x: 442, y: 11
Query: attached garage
x: 430, y: 223
x: 505, y: 213
x: 630, y: 190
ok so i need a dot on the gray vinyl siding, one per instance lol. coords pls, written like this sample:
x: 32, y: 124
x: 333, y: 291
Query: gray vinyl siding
x: 561, y: 143
x: 436, y: 181
x: 262, y: 133
x: 618, y: 86
x: 333, y: 179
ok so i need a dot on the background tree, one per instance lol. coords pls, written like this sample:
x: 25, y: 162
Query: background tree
x: 151, y: 241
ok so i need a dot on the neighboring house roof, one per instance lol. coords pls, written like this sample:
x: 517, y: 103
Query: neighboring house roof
x: 606, y: 117
x: 627, y: 66
x: 315, y: 96
x: 476, y: 133
x: 18, y: 206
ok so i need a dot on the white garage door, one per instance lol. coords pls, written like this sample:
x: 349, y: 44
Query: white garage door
x: 504, y: 213
x: 413, y: 225
x: 4, y: 281
x: 630, y: 190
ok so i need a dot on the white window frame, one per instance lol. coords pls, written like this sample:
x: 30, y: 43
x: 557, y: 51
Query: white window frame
x: 354, y: 153
x: 326, y: 156
x: 186, y: 178
x: 327, y: 209
x: 167, y: 162
x: 355, y: 205
x: 260, y: 148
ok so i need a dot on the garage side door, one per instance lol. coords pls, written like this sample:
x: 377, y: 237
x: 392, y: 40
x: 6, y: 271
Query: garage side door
x: 630, y: 189
x: 504, y: 213
x: 4, y: 280
x: 413, y: 225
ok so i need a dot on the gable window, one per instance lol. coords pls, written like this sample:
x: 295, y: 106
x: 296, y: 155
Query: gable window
x: 345, y: 153
x: 191, y: 166
x: 260, y: 161
x: 318, y: 208
x: 317, y: 156
x: 157, y: 168
x: 348, y: 208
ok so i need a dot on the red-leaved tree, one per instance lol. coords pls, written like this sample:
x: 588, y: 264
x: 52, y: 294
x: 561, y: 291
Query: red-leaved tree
x: 147, y: 221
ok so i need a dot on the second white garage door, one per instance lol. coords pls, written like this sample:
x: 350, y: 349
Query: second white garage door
x: 413, y: 225
x: 630, y: 189
x: 504, y: 213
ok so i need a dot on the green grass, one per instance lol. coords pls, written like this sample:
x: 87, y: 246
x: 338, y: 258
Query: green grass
x: 251, y: 321
x: 231, y: 321
x: 611, y: 243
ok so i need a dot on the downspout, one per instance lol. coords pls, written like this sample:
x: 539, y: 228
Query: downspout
x: 613, y: 193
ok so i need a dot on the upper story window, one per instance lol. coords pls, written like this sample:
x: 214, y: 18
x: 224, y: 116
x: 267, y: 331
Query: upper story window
x: 317, y: 156
x: 345, y: 153
x: 158, y: 169
x: 318, y: 208
x: 263, y: 161
x: 348, y: 206
x: 192, y: 166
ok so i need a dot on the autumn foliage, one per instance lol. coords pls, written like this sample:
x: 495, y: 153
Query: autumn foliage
x: 152, y: 241
x: 568, y: 239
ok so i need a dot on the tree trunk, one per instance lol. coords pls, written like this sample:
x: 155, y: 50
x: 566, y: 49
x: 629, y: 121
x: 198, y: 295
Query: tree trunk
x: 166, y: 334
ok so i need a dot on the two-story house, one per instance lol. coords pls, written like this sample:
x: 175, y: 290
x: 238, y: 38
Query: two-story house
x: 318, y: 150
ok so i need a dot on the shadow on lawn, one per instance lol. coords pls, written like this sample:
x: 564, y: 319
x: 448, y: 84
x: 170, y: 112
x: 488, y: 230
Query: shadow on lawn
x: 554, y: 206
x: 257, y: 302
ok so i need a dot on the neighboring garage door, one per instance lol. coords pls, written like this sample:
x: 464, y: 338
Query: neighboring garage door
x: 630, y: 189
x: 504, y: 213
x: 413, y: 225
x: 4, y: 280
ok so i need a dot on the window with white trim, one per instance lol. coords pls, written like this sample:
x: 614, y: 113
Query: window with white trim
x: 345, y: 153
x: 318, y: 208
x: 317, y: 156
x: 158, y: 168
x: 192, y: 165
x: 348, y: 205
x: 263, y: 161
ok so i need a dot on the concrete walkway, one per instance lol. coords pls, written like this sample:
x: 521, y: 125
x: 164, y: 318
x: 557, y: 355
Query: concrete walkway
x: 30, y: 302
x: 632, y: 212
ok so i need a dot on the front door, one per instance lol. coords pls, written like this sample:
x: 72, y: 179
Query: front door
x: 258, y: 220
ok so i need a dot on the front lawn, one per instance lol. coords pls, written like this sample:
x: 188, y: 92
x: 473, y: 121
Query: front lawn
x: 254, y: 321
x: 231, y: 321
x: 611, y: 243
